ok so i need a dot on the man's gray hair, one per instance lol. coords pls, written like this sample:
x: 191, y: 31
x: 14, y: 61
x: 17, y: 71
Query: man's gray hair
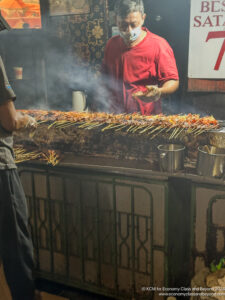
x: 124, y: 7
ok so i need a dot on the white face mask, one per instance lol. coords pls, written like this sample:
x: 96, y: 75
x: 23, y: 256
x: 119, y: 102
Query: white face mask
x: 132, y: 35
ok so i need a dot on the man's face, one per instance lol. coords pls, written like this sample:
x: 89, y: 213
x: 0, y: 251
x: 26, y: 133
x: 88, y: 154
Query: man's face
x: 130, y: 22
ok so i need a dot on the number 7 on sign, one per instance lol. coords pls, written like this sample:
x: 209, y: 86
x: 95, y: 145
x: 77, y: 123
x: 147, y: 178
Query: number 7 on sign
x: 217, y: 35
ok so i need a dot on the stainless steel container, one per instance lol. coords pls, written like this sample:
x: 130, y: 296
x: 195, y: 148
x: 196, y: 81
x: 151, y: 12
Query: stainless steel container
x: 79, y: 101
x: 211, y: 161
x: 171, y: 157
x: 217, y: 137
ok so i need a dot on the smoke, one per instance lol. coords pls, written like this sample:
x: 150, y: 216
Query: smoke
x: 65, y: 72
x: 52, y: 70
x: 185, y: 108
x: 184, y: 104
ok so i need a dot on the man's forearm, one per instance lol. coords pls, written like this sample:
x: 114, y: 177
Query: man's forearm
x: 12, y: 120
x: 21, y: 121
x: 169, y: 87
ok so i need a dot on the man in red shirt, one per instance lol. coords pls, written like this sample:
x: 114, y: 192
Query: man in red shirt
x: 139, y: 66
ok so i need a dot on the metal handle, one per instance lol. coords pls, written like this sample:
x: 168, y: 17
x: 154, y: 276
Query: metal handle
x: 223, y: 172
x: 84, y: 95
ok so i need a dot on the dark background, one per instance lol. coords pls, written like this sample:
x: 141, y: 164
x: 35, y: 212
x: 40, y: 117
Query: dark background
x: 66, y: 55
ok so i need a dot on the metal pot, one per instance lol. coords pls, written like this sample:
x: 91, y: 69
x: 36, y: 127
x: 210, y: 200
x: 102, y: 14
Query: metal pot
x: 171, y: 157
x: 217, y: 138
x: 211, y: 161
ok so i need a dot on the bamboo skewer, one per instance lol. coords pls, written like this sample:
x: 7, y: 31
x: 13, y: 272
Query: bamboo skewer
x: 157, y: 133
x: 112, y: 126
x: 156, y: 128
x: 132, y: 126
x: 173, y: 133
x: 146, y: 129
x: 51, y: 157
x: 65, y: 125
x: 22, y: 155
x: 179, y: 133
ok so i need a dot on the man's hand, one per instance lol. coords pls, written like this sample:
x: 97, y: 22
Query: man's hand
x: 24, y: 121
x: 11, y: 120
x: 152, y: 94
x: 31, y: 122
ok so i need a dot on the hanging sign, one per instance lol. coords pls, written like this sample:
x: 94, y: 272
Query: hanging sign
x: 207, y: 39
x: 21, y: 14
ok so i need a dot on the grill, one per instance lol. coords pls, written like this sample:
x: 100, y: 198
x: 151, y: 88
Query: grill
x: 120, y: 137
x: 114, y: 231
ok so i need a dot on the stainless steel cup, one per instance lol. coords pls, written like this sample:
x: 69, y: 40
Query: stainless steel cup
x: 79, y: 102
x: 211, y: 161
x: 171, y: 157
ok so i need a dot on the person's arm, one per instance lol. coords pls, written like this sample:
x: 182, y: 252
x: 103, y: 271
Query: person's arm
x: 169, y: 87
x: 153, y: 93
x: 167, y: 75
x: 12, y: 120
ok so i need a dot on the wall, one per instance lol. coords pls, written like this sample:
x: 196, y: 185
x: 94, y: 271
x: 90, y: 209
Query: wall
x: 86, y: 34
x: 74, y: 51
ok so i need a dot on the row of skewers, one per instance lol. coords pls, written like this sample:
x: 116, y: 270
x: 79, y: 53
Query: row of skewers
x: 22, y: 155
x: 172, y: 125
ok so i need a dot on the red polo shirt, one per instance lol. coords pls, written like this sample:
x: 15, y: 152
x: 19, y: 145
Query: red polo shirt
x: 130, y: 69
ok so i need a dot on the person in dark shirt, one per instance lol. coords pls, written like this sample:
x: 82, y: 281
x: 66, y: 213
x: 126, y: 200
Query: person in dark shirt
x: 16, y: 250
x: 139, y: 66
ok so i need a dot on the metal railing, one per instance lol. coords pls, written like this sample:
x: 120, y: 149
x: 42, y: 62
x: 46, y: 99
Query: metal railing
x: 97, y: 231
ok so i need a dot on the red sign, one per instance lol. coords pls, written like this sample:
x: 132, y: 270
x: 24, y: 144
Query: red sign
x: 21, y: 14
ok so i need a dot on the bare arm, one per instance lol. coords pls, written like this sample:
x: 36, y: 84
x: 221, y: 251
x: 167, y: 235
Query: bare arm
x: 169, y: 87
x: 12, y: 120
x: 154, y: 93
